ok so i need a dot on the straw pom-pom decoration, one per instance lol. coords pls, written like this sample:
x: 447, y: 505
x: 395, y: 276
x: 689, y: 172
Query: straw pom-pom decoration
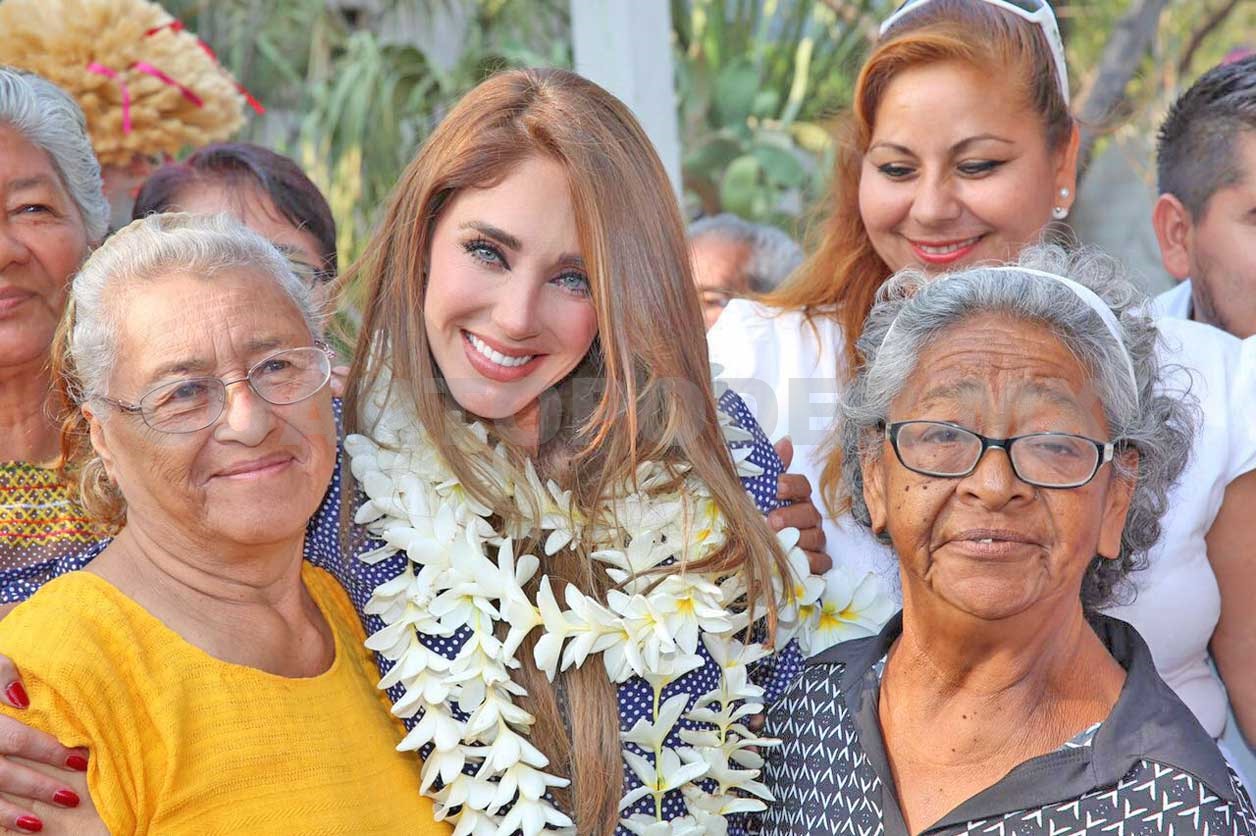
x: 146, y: 86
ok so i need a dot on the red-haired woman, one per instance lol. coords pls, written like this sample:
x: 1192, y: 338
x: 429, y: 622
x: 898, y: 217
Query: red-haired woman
x: 960, y: 149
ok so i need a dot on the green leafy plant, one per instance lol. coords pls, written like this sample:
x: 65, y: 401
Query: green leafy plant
x: 756, y: 81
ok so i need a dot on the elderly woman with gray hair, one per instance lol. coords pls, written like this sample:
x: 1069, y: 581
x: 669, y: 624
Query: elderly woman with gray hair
x: 218, y: 679
x: 54, y: 213
x: 1009, y: 433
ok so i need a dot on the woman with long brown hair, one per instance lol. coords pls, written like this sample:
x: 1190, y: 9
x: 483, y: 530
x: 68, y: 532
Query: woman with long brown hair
x: 530, y: 277
x: 960, y: 149
x: 574, y: 601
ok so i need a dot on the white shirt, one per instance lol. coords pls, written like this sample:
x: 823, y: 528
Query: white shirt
x: 786, y: 370
x: 788, y: 373
x: 1174, y: 303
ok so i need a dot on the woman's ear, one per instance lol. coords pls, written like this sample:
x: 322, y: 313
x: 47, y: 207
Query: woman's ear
x: 874, y: 491
x: 100, y: 443
x: 1066, y: 169
x: 1116, y: 507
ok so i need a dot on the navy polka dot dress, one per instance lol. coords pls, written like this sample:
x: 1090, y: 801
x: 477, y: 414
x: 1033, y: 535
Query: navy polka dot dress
x: 323, y: 548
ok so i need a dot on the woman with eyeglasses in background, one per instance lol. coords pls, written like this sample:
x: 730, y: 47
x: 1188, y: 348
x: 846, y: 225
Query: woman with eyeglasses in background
x: 960, y: 149
x: 266, y: 191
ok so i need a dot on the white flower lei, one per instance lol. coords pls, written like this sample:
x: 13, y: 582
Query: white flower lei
x: 462, y: 573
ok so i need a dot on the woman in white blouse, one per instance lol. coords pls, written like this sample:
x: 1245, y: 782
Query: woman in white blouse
x: 962, y: 150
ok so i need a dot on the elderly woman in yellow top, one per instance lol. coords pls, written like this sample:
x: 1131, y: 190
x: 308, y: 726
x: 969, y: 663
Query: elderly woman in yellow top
x: 218, y: 679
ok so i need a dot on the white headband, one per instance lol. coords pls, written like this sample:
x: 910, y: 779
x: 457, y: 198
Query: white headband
x: 1083, y: 293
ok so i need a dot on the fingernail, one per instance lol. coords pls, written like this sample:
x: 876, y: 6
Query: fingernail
x: 29, y: 824
x: 16, y: 695
x: 77, y: 762
x: 66, y: 798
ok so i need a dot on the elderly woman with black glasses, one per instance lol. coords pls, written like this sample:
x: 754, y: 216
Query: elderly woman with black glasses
x: 1009, y: 433
x: 219, y: 681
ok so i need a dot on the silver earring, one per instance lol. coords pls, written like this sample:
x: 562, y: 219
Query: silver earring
x: 1064, y: 193
x: 1059, y: 213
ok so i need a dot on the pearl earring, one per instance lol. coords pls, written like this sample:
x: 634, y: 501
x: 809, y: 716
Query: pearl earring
x: 1061, y: 212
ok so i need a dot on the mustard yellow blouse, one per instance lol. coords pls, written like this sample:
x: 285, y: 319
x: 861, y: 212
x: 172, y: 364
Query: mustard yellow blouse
x: 183, y: 743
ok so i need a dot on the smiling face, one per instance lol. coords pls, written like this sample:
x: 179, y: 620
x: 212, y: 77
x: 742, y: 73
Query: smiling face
x: 507, y: 308
x: 257, y: 474
x: 957, y: 171
x: 42, y: 242
x: 988, y: 544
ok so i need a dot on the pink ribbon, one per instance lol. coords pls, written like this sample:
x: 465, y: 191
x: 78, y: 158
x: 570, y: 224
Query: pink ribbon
x: 101, y: 69
x: 149, y: 69
x: 177, y: 26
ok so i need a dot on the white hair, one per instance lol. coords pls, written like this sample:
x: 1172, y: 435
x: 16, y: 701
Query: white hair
x: 773, y: 254
x: 1159, y: 424
x: 148, y: 250
x: 51, y: 121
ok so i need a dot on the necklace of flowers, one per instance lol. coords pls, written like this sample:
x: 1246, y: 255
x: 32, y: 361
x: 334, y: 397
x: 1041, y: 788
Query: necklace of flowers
x: 462, y: 577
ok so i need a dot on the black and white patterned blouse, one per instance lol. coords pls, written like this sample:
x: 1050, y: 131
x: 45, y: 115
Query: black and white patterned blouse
x: 1149, y: 768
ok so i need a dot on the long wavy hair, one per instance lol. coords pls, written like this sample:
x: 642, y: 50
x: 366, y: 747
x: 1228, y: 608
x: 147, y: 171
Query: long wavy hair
x: 841, y: 277
x: 643, y: 393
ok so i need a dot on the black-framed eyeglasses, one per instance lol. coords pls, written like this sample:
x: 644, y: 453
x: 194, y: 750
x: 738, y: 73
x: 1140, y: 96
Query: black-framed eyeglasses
x: 1044, y: 460
x: 194, y: 403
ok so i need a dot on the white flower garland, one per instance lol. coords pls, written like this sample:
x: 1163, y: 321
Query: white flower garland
x: 462, y: 574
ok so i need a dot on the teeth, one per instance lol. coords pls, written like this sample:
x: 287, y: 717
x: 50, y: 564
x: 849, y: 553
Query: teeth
x: 987, y: 540
x: 949, y: 248
x: 496, y: 356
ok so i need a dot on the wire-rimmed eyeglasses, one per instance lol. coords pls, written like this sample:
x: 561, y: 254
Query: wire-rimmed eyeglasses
x: 194, y: 403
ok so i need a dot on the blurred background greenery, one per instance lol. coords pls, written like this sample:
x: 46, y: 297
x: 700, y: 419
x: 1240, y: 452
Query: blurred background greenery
x: 353, y: 86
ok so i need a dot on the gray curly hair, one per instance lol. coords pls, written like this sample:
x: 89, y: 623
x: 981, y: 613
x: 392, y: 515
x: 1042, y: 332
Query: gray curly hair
x: 52, y: 121
x: 1159, y: 424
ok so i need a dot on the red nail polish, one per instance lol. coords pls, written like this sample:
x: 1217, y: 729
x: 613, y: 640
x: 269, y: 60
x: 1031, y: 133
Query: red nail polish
x: 66, y: 798
x: 77, y: 762
x: 16, y: 694
x: 29, y: 824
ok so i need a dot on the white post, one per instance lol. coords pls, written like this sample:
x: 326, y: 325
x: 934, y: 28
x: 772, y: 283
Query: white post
x: 626, y: 47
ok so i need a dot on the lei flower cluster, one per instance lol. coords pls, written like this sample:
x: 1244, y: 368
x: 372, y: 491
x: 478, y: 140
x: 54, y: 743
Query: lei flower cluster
x: 463, y: 576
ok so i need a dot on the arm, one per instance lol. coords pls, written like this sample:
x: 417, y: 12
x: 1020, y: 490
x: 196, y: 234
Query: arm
x: 1232, y: 553
x: 35, y: 770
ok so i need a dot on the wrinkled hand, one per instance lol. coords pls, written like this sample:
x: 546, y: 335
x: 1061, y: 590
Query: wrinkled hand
x: 37, y: 774
x: 799, y: 512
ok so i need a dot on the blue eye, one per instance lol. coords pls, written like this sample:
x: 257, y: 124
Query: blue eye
x: 483, y: 251
x: 574, y: 282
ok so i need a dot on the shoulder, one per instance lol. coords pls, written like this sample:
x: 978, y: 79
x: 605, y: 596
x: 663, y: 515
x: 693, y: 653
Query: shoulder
x: 748, y: 330
x: 70, y: 616
x: 1174, y: 302
x: 76, y: 640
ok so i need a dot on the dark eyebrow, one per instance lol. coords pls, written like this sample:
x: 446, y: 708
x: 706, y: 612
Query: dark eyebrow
x: 501, y: 236
x: 569, y: 260
x: 955, y: 149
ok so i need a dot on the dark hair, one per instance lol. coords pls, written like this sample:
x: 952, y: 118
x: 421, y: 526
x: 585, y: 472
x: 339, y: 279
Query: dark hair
x: 279, y: 177
x: 1196, y: 154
